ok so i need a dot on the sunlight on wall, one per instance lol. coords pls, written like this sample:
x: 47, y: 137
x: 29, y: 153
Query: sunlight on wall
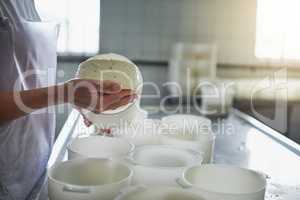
x: 79, y: 24
x: 278, y: 29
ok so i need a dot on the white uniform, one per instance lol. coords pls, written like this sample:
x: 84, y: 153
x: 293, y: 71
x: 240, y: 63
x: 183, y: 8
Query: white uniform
x: 27, y: 47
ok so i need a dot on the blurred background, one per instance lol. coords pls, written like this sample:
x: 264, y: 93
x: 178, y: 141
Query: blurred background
x: 254, y: 44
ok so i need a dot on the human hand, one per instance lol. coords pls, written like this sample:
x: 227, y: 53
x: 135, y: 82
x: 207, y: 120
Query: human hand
x: 96, y: 96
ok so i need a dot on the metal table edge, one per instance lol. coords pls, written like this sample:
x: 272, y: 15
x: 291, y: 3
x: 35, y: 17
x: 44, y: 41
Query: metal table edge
x: 63, y: 138
x: 273, y: 134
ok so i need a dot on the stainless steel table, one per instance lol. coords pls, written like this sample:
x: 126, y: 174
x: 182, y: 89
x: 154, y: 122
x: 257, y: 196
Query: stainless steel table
x: 241, y: 140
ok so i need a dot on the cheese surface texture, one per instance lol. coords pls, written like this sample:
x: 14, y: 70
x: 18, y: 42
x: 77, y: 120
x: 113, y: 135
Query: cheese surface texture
x: 112, y: 67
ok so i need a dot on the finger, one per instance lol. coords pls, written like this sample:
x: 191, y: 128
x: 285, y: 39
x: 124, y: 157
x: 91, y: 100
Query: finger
x: 126, y: 92
x: 111, y: 99
x: 107, y: 86
x: 100, y: 100
x: 110, y: 87
x: 108, y: 99
x: 105, y: 100
x: 124, y: 101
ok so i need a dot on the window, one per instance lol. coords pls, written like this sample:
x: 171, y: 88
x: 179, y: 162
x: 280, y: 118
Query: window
x: 278, y: 29
x: 79, y: 24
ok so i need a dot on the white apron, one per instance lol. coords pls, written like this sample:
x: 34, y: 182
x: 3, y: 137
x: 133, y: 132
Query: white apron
x: 26, y: 45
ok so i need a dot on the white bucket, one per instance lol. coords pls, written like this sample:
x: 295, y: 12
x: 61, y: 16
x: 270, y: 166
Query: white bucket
x: 144, y: 132
x: 223, y: 182
x: 161, y: 165
x: 189, y: 132
x: 91, y: 178
x: 99, y: 147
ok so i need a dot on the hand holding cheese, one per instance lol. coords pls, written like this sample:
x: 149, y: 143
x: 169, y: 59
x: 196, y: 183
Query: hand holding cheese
x: 120, y: 70
x: 97, y: 96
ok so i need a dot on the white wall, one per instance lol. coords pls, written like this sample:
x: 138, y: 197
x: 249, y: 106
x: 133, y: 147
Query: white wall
x: 147, y: 29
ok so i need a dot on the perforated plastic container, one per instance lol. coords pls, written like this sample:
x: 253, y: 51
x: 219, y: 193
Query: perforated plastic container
x: 120, y: 69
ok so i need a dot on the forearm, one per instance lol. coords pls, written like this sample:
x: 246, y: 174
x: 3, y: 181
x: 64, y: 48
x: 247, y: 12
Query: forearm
x: 19, y: 103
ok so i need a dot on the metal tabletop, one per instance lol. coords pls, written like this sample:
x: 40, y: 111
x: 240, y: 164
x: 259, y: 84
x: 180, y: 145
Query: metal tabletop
x: 240, y: 140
